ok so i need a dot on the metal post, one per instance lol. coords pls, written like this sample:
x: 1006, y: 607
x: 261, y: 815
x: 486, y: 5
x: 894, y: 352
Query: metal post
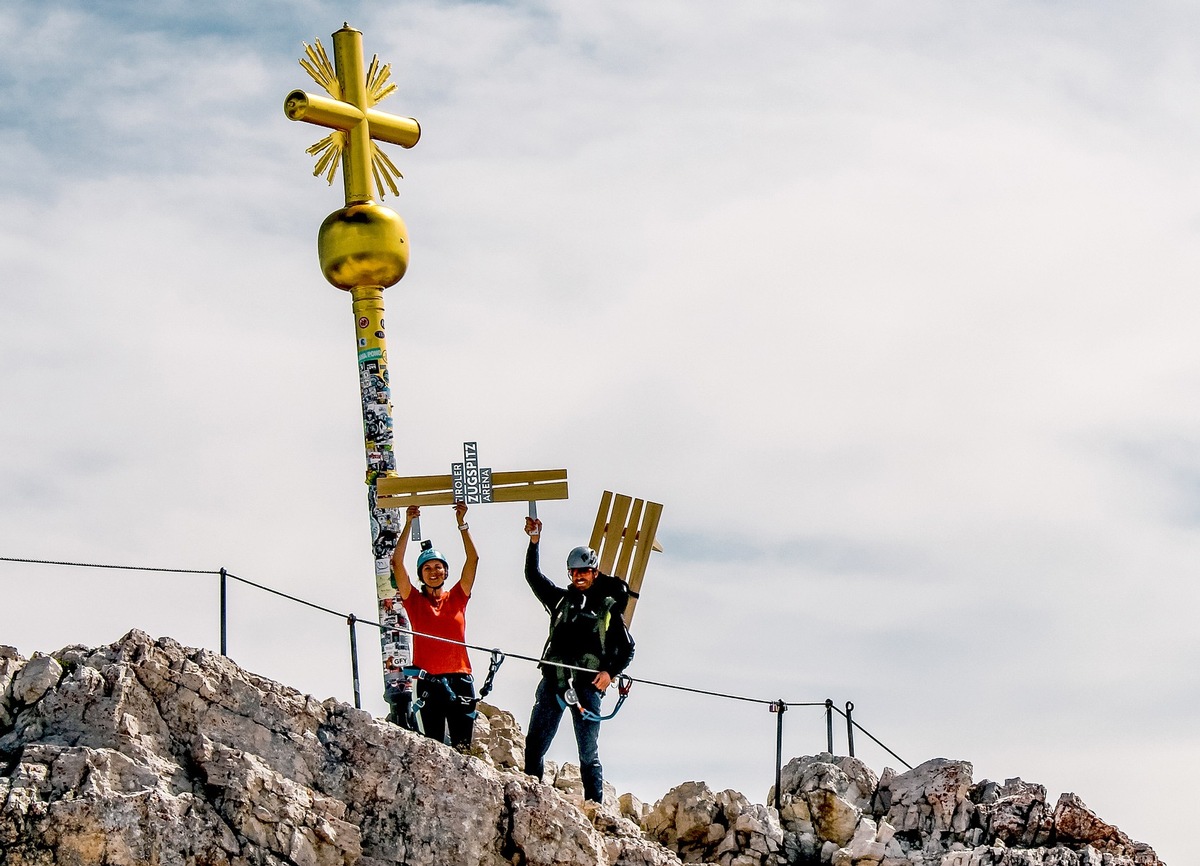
x: 779, y: 708
x: 395, y: 637
x: 350, y: 620
x: 829, y: 723
x: 850, y: 726
x: 224, y: 594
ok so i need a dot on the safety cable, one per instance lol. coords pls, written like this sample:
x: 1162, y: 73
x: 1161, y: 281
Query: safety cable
x: 392, y: 628
x: 565, y: 666
x: 872, y: 736
x: 293, y: 598
x: 100, y: 565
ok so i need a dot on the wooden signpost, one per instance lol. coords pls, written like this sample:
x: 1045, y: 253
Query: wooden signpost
x: 469, y: 483
x: 624, y: 536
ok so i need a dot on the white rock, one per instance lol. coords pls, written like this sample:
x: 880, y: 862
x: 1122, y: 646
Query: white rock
x: 40, y: 674
x: 179, y: 754
x: 885, y: 833
x: 833, y: 818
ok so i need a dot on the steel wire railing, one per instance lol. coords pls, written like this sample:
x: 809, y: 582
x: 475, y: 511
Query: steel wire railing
x: 778, y: 706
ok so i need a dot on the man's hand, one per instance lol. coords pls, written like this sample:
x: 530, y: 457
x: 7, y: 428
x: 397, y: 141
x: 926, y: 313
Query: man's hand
x: 533, y: 528
x: 413, y: 512
x: 602, y: 681
x: 460, y: 512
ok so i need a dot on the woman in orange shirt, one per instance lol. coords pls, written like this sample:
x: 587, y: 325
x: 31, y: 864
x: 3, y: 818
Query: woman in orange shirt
x: 446, y: 690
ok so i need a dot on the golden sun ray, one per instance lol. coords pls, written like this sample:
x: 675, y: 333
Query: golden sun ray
x: 378, y: 88
x: 329, y: 154
x: 329, y: 149
x: 320, y: 69
x: 384, y: 168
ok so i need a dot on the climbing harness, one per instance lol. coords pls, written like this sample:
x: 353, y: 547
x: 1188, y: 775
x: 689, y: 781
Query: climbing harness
x: 414, y: 705
x: 570, y: 698
x: 571, y: 609
x: 419, y: 695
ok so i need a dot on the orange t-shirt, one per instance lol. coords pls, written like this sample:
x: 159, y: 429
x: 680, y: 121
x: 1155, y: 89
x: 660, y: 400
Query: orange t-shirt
x: 447, y: 619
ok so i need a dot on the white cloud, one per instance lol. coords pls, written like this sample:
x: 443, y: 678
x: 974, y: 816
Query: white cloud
x: 891, y: 307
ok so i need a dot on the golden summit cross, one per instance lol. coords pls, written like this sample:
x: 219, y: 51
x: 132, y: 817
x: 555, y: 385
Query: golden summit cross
x: 351, y: 114
x: 363, y: 249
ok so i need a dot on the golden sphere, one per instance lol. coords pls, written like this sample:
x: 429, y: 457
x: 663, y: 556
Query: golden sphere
x: 363, y: 245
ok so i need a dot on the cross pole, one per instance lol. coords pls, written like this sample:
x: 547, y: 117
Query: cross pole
x: 363, y: 249
x: 624, y: 537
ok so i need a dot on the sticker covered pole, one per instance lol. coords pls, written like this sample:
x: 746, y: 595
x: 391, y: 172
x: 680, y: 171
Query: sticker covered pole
x: 395, y: 640
x: 363, y: 249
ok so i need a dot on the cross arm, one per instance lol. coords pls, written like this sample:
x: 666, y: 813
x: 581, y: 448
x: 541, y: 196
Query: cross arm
x: 335, y: 114
x: 527, y: 486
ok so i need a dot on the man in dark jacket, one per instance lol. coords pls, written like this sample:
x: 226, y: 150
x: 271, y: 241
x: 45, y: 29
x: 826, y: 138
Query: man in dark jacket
x: 587, y: 632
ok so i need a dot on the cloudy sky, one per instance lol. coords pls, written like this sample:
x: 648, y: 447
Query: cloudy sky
x: 892, y: 306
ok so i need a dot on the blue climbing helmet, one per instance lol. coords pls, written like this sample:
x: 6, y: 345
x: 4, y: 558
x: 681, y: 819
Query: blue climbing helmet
x: 429, y: 554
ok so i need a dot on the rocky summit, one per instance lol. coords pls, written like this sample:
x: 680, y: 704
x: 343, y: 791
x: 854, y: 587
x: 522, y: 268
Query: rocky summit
x: 147, y: 752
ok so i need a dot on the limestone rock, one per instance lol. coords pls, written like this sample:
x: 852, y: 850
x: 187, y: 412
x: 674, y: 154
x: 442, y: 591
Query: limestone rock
x: 10, y: 663
x: 927, y: 798
x: 568, y: 781
x: 146, y: 751
x: 38, y: 676
x: 1077, y: 825
x: 832, y: 817
x: 849, y: 778
x: 149, y: 752
x: 632, y: 808
x: 497, y: 738
x: 709, y: 827
x: 623, y: 838
x: 834, y: 810
x: 825, y: 795
x: 1015, y: 814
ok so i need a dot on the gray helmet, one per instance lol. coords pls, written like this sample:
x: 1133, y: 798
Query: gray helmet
x: 583, y: 557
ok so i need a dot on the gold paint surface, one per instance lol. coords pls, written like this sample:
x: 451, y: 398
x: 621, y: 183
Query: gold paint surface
x: 356, y: 158
x: 349, y: 111
x: 321, y: 110
x: 363, y: 245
